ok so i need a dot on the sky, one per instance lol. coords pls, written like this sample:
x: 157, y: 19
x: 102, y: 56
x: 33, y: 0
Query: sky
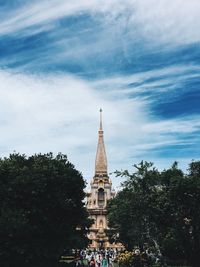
x: 138, y: 60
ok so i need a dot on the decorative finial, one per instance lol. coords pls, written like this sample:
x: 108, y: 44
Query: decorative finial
x: 101, y: 128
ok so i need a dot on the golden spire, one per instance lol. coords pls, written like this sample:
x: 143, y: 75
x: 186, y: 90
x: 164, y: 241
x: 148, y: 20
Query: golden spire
x: 101, y: 160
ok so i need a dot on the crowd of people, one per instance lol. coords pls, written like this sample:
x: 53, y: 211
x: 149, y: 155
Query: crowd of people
x: 98, y: 258
x: 107, y: 257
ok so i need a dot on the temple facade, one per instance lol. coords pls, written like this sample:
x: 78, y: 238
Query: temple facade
x: 101, y: 191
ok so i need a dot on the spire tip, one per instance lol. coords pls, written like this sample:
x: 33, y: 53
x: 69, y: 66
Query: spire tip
x: 100, y: 119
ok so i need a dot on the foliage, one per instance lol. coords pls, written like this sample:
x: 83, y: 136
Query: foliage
x: 41, y: 206
x: 133, y: 259
x: 159, y: 211
x: 125, y: 259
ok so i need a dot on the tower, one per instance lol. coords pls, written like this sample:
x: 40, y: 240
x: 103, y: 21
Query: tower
x: 101, y: 192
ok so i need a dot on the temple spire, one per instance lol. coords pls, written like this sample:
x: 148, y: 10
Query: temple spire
x: 101, y: 127
x: 101, y: 160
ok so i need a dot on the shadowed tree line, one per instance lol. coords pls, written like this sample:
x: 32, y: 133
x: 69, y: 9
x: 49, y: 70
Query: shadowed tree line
x: 42, y: 213
x: 159, y: 211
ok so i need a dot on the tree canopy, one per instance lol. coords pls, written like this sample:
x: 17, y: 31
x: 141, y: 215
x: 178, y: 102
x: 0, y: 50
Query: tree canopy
x: 41, y: 209
x: 159, y: 210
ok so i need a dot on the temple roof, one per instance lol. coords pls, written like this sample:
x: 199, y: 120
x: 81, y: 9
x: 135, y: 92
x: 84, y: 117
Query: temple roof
x: 101, y: 159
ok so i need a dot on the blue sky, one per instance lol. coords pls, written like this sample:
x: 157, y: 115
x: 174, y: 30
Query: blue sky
x: 139, y: 60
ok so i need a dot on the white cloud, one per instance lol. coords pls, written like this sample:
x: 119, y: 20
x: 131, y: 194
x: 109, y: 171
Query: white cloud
x: 186, y: 125
x: 46, y: 113
x: 164, y: 80
x: 41, y: 114
x: 173, y: 22
x: 39, y: 12
x: 169, y: 21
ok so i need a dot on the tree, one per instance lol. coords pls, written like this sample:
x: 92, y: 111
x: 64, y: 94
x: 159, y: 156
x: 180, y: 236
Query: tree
x: 159, y: 210
x: 129, y: 212
x: 184, y: 199
x: 41, y: 208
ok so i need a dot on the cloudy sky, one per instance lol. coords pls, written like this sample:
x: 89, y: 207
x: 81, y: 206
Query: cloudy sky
x: 139, y: 60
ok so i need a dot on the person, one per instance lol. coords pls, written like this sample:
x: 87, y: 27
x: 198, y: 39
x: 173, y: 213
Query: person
x: 110, y: 264
x: 78, y: 263
x: 92, y: 262
x: 104, y: 262
x: 98, y: 260
x: 88, y: 257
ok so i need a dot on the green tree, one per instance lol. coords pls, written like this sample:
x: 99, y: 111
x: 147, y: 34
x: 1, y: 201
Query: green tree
x: 159, y: 210
x: 41, y: 209
x: 130, y: 211
x: 184, y: 231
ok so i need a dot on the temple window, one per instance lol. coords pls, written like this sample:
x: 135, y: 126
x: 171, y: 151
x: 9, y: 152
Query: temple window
x: 101, y: 197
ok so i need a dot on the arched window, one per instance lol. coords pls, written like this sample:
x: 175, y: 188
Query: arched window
x: 101, y: 197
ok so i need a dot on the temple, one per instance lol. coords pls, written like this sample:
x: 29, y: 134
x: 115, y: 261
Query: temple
x: 101, y: 191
